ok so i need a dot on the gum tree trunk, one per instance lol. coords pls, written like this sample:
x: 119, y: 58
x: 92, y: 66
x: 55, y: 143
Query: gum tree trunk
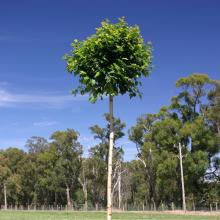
x: 68, y: 198
x: 119, y: 188
x: 5, y: 197
x: 182, y: 178
x: 110, y: 154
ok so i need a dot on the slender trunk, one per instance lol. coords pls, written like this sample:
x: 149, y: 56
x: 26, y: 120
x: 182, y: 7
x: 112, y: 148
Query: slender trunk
x: 69, y: 203
x: 119, y: 188
x: 96, y: 206
x: 110, y: 154
x: 55, y: 198
x: 182, y: 179
x: 5, y: 196
x: 83, y: 183
x: 85, y: 195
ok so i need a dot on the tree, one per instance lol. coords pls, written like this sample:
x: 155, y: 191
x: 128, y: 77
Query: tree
x: 191, y: 121
x: 189, y: 101
x: 36, y: 144
x: 14, y: 162
x: 213, y: 109
x: 4, y: 175
x: 109, y: 63
x: 99, y: 156
x: 69, y: 159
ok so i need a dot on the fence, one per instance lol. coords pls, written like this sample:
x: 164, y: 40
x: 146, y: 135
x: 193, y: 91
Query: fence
x: 212, y: 207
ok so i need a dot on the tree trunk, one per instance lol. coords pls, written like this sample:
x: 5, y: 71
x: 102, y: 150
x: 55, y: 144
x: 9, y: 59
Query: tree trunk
x: 69, y: 202
x: 5, y: 196
x: 119, y: 188
x: 84, y: 188
x: 96, y: 206
x: 85, y: 195
x: 110, y: 154
x: 55, y: 198
x: 182, y: 178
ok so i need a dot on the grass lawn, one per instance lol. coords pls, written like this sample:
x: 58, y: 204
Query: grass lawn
x: 62, y: 215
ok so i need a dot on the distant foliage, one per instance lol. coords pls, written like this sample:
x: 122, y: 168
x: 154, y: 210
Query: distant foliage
x: 50, y: 169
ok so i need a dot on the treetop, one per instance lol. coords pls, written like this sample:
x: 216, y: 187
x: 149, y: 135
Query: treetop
x: 111, y: 61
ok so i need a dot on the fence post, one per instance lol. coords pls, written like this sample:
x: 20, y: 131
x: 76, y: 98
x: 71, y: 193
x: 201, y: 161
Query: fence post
x: 216, y: 206
x: 210, y: 207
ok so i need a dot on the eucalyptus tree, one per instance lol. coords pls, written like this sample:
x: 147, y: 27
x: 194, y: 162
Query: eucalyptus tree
x: 189, y: 120
x: 193, y: 90
x: 69, y: 160
x: 99, y: 156
x: 213, y: 109
x: 110, y: 62
x: 36, y: 144
x: 5, y: 173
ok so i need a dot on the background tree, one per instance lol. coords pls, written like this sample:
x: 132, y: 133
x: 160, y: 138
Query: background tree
x: 39, y: 177
x: 110, y: 63
x: 99, y: 156
x: 36, y: 144
x: 4, y: 175
x: 184, y: 121
x: 69, y: 152
x: 213, y: 109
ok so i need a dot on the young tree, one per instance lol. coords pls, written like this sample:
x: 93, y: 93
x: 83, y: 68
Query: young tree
x: 109, y: 63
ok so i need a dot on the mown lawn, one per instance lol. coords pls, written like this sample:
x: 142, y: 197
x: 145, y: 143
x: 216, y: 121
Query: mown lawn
x: 62, y: 215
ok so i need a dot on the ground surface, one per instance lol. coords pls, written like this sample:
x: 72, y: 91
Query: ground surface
x: 62, y: 215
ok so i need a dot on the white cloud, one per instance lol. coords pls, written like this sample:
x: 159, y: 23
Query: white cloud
x: 45, y: 123
x: 8, y: 99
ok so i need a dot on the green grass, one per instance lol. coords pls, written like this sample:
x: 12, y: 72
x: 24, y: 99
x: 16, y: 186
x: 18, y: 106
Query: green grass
x: 62, y: 215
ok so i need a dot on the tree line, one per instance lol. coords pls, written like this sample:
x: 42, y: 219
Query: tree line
x: 55, y: 171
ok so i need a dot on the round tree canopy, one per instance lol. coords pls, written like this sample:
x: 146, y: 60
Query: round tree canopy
x: 110, y: 62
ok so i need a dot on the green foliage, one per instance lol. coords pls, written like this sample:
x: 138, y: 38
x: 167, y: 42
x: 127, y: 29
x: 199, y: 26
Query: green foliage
x: 167, y: 177
x: 111, y: 61
x: 43, y: 174
x: 213, y: 109
x: 196, y: 81
x: 99, y: 157
x: 191, y: 121
x: 4, y: 169
x: 36, y: 144
x: 189, y: 101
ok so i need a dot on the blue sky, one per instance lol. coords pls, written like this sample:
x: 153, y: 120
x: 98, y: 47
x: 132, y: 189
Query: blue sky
x: 35, y: 88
